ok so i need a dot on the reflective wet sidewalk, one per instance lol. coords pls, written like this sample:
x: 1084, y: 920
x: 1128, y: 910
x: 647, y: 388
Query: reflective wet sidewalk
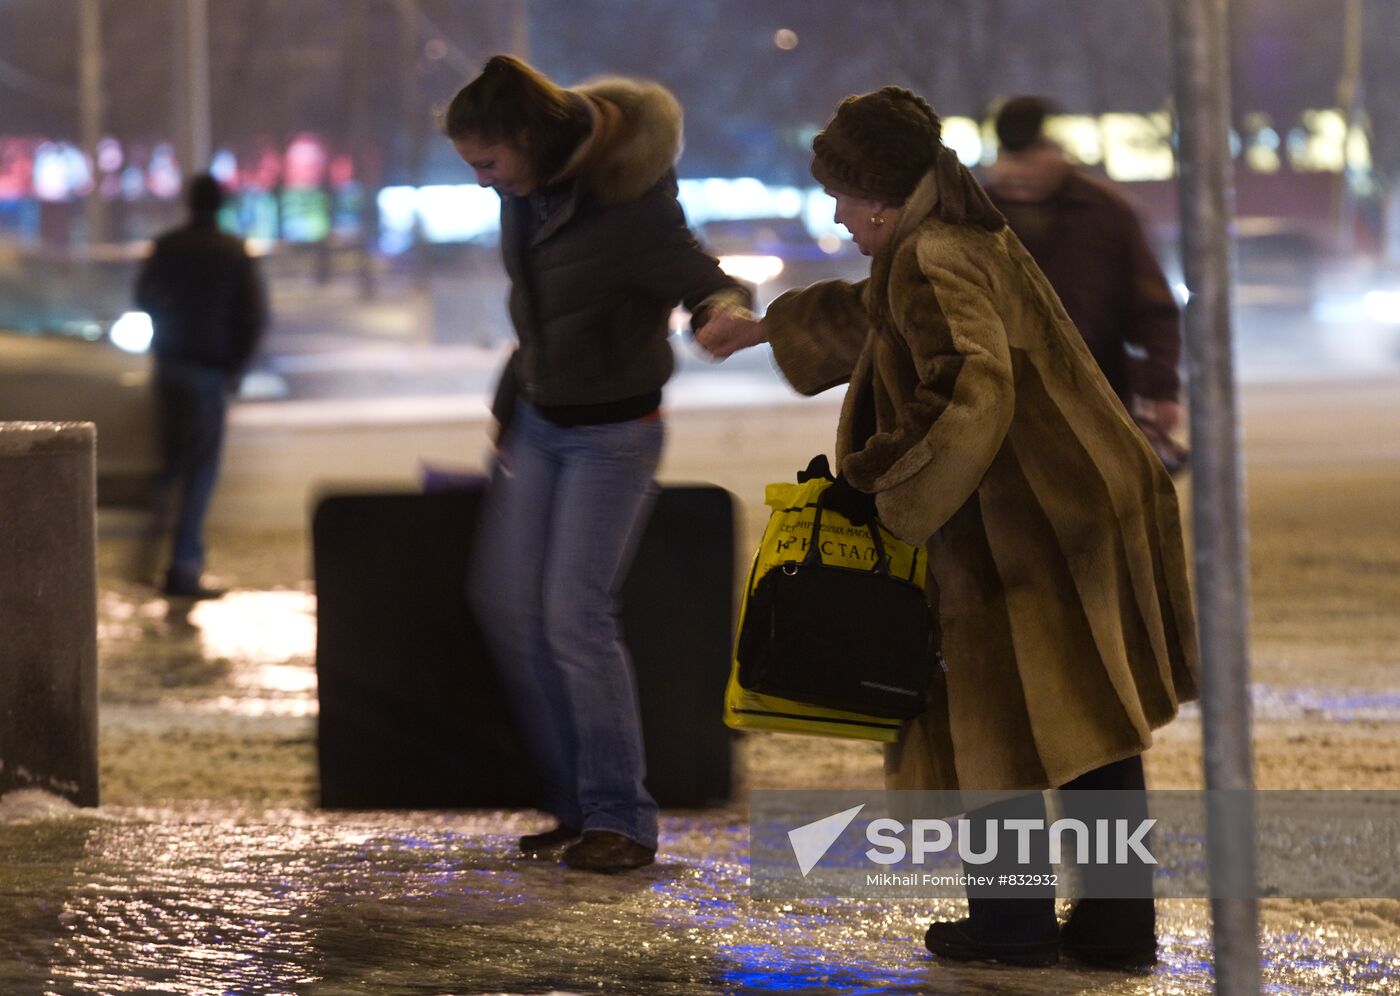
x: 208, y: 869
x: 302, y: 902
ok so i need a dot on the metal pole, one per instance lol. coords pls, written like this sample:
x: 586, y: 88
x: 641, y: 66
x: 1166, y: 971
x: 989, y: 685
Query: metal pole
x: 358, y: 97
x: 414, y: 116
x: 1349, y: 101
x: 1222, y: 596
x: 193, y: 143
x: 520, y: 29
x: 90, y: 110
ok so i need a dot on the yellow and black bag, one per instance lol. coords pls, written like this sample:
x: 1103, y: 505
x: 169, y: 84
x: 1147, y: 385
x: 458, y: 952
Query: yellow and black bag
x: 835, y: 636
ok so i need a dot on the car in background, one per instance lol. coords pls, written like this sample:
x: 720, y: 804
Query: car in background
x: 1278, y: 264
x: 1301, y: 307
x: 72, y: 351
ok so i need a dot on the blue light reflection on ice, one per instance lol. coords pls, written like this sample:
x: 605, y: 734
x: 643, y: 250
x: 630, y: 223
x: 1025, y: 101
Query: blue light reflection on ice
x: 373, y: 902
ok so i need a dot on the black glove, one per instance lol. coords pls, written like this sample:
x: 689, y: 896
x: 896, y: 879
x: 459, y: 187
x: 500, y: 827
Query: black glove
x: 857, y: 506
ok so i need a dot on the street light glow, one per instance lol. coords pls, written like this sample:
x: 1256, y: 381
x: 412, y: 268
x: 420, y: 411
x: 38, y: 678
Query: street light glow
x: 132, y: 332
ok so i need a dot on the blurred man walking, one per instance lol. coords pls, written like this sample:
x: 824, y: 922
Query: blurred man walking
x: 1088, y: 241
x: 207, y: 303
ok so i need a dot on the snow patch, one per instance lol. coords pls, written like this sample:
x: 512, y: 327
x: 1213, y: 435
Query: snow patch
x: 29, y: 805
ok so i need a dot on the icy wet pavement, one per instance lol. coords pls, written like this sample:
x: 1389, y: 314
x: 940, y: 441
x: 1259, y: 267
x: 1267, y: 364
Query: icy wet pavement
x: 209, y: 869
x: 177, y: 887
x: 297, y: 902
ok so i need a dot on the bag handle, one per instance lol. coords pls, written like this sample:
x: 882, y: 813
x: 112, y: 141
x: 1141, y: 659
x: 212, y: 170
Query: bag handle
x: 818, y: 467
x: 814, y: 557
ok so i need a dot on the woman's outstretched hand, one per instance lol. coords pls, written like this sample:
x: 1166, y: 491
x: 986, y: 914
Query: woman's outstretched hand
x: 726, y: 332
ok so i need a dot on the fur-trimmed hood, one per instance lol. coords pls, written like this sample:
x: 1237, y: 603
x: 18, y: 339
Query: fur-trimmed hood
x: 636, y: 137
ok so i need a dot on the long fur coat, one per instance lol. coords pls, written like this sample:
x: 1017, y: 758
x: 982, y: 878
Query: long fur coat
x: 979, y: 420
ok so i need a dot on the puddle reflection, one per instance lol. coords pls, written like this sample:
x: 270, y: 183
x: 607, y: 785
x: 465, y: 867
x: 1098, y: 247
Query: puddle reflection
x: 429, y: 902
x: 250, y: 653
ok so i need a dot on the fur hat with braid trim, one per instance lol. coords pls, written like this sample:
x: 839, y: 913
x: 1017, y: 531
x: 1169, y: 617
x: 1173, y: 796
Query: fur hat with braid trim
x: 878, y: 145
x: 888, y: 145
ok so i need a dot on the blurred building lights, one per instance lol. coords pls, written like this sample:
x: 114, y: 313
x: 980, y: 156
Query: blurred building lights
x: 756, y: 270
x: 267, y: 172
x: 1138, y: 147
x: 109, y: 155
x: 741, y: 197
x: 785, y: 39
x: 1078, y: 135
x: 132, y: 183
x: 1262, y: 146
x: 224, y: 167
x: 462, y: 212
x: 819, y: 215
x: 1262, y: 159
x: 1319, y: 144
x: 163, y: 174
x: 1382, y: 306
x: 1358, y: 148
x: 342, y: 170
x: 61, y: 172
x: 305, y: 165
x: 964, y: 137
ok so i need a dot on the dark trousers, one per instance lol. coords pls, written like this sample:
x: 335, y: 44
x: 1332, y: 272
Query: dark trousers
x: 192, y: 403
x: 1029, y: 912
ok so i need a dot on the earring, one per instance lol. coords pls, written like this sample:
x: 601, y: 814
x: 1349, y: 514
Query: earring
x: 877, y: 220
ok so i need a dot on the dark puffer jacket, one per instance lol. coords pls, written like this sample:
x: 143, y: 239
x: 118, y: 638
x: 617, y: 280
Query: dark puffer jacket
x: 204, y: 296
x: 598, y: 260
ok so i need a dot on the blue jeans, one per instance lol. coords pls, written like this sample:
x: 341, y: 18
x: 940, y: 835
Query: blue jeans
x: 558, y: 530
x: 193, y: 404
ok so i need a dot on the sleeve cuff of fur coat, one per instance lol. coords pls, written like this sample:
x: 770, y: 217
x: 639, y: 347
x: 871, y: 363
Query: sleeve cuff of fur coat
x: 817, y: 334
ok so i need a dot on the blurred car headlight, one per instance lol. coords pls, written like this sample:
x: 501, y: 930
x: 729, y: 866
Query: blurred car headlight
x: 753, y: 269
x: 1382, y: 306
x: 132, y: 332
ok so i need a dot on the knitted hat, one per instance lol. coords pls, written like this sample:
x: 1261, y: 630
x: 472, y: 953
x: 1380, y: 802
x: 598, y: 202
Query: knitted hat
x: 878, y: 145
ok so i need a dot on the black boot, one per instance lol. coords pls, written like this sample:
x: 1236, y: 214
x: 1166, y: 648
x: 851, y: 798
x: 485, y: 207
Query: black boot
x: 1112, y: 933
x: 973, y: 940
x: 605, y: 851
x: 1013, y: 925
x: 549, y: 843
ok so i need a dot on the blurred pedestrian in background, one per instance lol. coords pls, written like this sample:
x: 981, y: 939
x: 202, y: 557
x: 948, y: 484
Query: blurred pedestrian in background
x: 977, y: 423
x: 208, y: 306
x: 598, y: 253
x: 1089, y: 243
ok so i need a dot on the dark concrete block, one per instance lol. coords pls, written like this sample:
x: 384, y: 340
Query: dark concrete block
x: 48, y: 609
x: 411, y: 714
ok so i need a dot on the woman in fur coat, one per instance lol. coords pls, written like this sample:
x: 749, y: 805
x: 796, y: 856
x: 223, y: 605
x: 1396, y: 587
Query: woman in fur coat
x: 598, y: 253
x: 976, y: 423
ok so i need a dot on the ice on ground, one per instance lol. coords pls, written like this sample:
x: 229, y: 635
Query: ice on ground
x: 30, y: 804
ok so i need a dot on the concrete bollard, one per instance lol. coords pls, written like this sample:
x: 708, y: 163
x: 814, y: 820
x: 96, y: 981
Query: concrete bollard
x: 48, y: 609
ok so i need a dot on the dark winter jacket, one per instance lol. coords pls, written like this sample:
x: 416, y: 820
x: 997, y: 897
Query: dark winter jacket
x: 598, y: 260
x: 1088, y: 242
x: 204, y: 296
